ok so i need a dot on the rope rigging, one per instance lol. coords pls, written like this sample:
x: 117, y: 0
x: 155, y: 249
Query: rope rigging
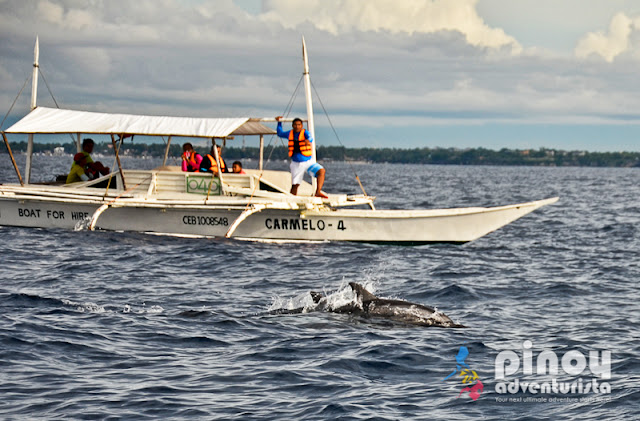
x: 49, y: 89
x: 337, y: 137
x: 52, y: 97
x: 14, y: 101
x: 288, y: 110
x: 286, y: 113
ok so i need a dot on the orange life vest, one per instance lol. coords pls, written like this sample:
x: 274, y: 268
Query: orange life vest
x: 214, y: 164
x: 191, y: 161
x: 303, y: 146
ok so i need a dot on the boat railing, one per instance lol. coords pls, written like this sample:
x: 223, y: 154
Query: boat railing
x: 98, y: 182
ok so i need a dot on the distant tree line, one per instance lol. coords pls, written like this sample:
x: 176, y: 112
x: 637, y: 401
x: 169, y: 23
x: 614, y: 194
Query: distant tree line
x: 442, y: 156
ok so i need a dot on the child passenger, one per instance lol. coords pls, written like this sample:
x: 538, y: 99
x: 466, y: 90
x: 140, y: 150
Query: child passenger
x: 237, y: 168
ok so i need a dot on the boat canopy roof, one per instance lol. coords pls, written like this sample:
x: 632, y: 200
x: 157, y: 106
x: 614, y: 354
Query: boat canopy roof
x: 45, y: 120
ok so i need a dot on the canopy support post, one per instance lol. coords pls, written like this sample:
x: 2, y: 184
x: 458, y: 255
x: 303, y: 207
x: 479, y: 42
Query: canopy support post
x: 27, y: 169
x: 166, y: 152
x: 261, y: 152
x: 78, y: 142
x: 6, y: 142
x: 217, y: 157
x: 117, y: 150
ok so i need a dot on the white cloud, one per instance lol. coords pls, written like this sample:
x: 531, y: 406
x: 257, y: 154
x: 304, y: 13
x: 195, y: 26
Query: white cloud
x: 607, y: 45
x: 94, y: 61
x: 50, y: 12
x: 72, y: 18
x: 420, y: 63
x: 406, y: 16
x: 79, y: 20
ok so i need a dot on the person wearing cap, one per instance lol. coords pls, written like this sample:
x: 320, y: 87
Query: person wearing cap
x: 79, y: 170
x: 300, y: 152
x: 95, y: 167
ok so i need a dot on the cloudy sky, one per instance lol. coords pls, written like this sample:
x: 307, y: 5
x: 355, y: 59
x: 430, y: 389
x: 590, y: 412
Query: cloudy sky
x: 410, y: 73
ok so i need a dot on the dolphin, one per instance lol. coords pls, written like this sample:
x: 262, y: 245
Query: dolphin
x: 396, y: 310
x: 368, y: 305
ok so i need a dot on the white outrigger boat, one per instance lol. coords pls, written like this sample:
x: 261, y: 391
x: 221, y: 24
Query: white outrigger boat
x: 253, y: 206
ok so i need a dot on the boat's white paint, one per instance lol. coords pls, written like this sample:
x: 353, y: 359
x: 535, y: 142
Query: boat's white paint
x: 256, y: 206
x: 159, y: 203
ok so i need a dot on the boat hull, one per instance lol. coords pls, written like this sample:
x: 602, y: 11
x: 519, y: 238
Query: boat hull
x: 375, y: 226
x: 254, y: 205
x: 385, y: 226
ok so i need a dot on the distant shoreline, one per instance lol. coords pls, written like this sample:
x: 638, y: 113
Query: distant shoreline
x: 434, y: 156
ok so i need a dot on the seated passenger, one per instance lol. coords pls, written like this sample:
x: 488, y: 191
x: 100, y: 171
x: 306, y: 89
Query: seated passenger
x: 209, y: 163
x: 237, y: 168
x: 95, y: 168
x: 190, y: 159
x: 79, y: 170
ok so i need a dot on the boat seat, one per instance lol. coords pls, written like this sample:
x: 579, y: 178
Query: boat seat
x: 139, y: 178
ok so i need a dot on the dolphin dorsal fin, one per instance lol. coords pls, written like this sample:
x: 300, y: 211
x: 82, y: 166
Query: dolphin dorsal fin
x: 316, y: 296
x: 361, y: 292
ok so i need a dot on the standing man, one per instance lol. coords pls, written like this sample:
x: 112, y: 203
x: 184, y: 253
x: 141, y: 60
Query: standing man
x: 300, y: 153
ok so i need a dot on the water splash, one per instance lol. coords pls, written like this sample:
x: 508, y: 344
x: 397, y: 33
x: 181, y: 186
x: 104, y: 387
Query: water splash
x: 91, y: 307
x: 83, y: 224
x: 303, y: 302
x: 86, y: 307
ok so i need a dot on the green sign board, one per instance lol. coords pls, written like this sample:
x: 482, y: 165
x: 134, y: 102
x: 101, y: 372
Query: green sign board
x: 202, y: 184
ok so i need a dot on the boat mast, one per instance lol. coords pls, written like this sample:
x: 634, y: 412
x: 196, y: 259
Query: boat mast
x: 34, y: 95
x: 307, y: 95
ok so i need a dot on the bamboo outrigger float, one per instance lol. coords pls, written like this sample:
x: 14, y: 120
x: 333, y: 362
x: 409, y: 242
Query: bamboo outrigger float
x: 254, y: 206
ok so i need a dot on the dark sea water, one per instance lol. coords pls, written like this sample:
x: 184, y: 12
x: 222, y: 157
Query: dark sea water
x: 104, y: 325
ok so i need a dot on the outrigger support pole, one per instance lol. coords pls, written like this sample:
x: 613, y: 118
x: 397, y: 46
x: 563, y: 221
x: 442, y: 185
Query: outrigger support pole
x: 6, y: 142
x: 96, y: 215
x: 244, y: 215
x: 101, y: 209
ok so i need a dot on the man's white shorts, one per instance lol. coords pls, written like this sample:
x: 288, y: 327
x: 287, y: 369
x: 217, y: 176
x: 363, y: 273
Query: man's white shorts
x: 299, y: 168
